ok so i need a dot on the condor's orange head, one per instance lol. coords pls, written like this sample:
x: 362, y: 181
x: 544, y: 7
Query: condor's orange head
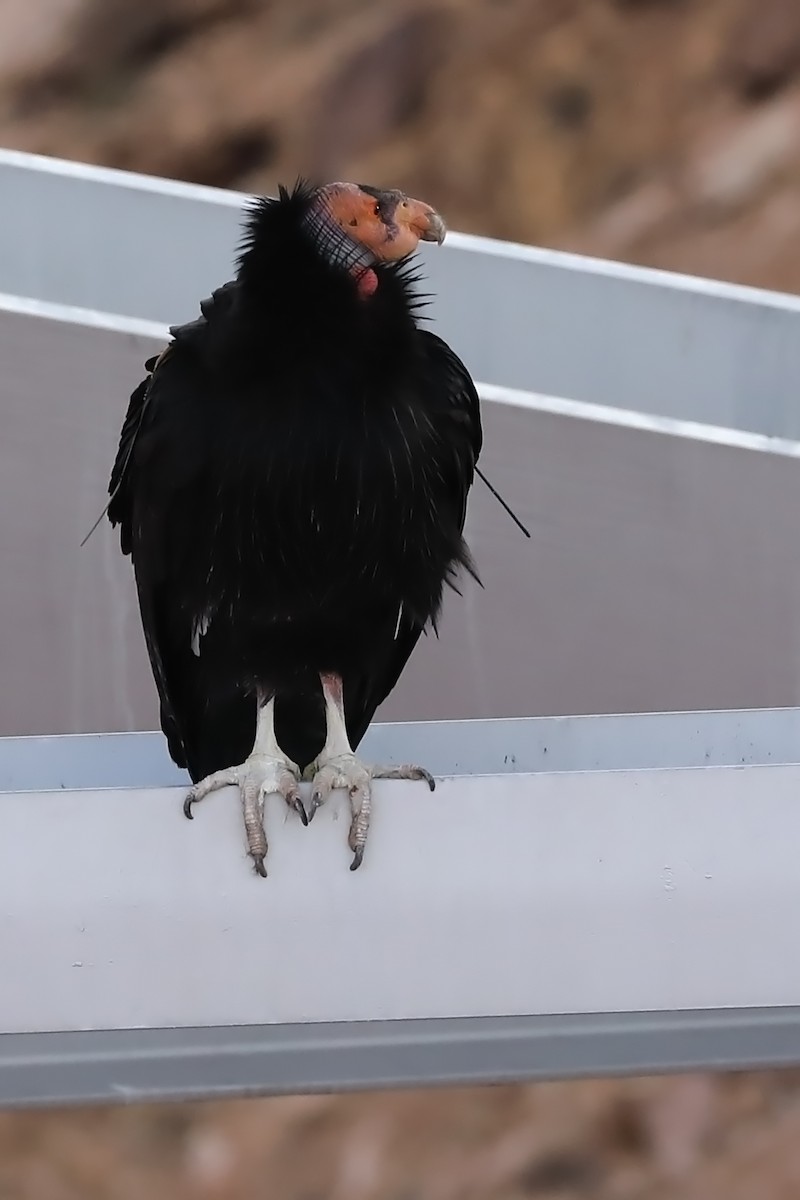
x: 357, y: 226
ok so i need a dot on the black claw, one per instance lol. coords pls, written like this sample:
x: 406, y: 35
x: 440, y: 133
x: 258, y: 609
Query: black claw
x: 316, y: 802
x: 431, y: 782
x: 187, y: 807
x: 358, y: 857
x: 297, y: 805
x: 260, y: 868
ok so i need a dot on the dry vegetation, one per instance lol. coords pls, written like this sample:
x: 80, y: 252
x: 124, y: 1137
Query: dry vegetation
x: 661, y: 131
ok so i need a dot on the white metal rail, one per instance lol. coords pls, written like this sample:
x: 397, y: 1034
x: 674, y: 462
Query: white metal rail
x: 522, y: 317
x: 648, y: 535
x: 580, y: 895
x: 601, y: 899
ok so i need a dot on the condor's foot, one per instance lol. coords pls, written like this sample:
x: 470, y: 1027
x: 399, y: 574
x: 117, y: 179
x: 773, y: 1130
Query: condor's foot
x: 261, y: 775
x: 347, y: 771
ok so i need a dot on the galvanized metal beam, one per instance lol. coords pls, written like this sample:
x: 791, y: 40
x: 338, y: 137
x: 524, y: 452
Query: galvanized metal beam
x: 520, y: 746
x: 135, y: 1065
x: 643, y: 541
x: 520, y: 924
x: 579, y: 896
x: 522, y: 317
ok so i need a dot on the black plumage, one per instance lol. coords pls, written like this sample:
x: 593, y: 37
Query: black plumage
x: 291, y: 484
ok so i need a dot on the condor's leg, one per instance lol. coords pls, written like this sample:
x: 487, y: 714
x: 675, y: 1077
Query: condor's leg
x: 338, y: 767
x: 265, y: 772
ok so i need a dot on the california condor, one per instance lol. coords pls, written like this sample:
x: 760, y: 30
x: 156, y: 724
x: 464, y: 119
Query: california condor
x: 291, y: 484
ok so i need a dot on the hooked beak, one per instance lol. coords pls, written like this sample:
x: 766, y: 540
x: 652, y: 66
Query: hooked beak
x: 431, y: 226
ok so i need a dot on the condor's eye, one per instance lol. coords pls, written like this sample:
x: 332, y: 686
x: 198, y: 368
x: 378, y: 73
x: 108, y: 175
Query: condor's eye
x: 377, y: 210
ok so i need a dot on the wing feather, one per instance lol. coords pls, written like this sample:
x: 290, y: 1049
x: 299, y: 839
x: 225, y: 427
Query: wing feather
x: 454, y: 410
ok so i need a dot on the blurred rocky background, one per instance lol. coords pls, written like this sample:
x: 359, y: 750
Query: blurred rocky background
x: 664, y: 132
x: 684, y: 1138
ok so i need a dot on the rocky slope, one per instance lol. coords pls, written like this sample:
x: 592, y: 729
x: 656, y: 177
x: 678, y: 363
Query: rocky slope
x: 662, y: 131
x: 686, y: 1138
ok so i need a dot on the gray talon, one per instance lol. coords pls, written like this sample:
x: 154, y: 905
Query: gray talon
x: 299, y: 808
x: 358, y: 858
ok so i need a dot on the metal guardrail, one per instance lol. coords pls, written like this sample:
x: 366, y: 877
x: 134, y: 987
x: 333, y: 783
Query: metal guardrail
x: 521, y: 317
x: 662, y: 572
x: 581, y: 920
x: 592, y: 894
